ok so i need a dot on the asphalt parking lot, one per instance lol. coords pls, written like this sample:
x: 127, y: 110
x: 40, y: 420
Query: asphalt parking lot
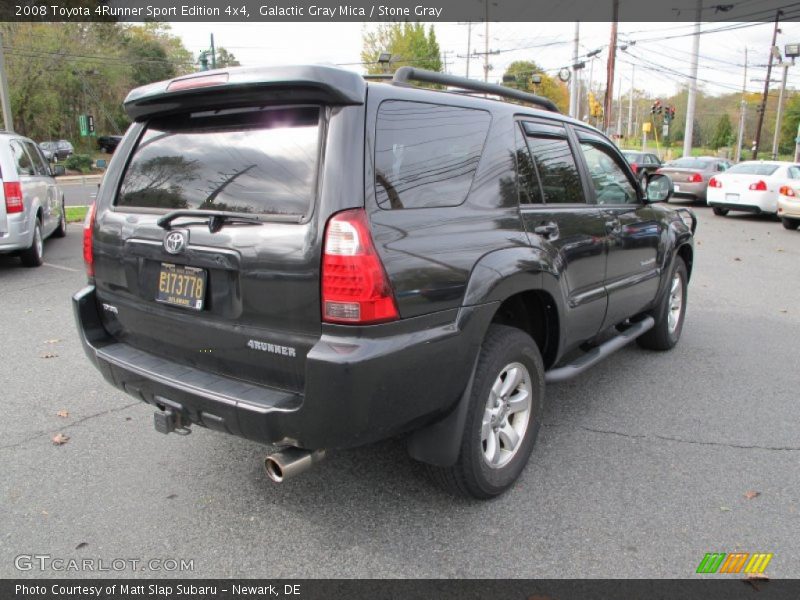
x: 643, y: 464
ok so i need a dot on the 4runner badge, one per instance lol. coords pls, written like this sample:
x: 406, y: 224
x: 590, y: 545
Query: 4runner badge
x: 272, y: 348
x: 175, y: 242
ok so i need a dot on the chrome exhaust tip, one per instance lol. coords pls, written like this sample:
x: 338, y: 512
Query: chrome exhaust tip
x: 289, y: 462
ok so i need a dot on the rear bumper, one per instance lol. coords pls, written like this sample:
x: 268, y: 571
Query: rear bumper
x: 16, y: 234
x: 788, y: 208
x: 690, y: 190
x: 746, y: 201
x: 359, y: 389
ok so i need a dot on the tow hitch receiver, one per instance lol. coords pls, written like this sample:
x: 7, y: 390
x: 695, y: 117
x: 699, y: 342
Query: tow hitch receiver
x: 170, y: 419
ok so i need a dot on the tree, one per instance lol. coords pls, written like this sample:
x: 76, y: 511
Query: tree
x: 554, y: 89
x: 407, y: 43
x: 789, y: 129
x: 226, y: 59
x: 723, y: 133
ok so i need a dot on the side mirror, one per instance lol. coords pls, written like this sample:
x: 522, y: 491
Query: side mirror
x: 58, y: 170
x: 659, y: 188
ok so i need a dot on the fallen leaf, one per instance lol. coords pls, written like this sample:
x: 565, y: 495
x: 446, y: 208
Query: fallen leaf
x: 724, y: 509
x: 81, y: 545
x: 49, y: 355
x: 781, y: 250
x: 127, y: 418
x: 783, y: 310
x: 737, y: 259
x: 172, y: 496
x: 752, y: 494
x: 60, y: 439
x: 754, y: 577
x: 63, y: 413
x: 45, y: 513
x: 53, y: 341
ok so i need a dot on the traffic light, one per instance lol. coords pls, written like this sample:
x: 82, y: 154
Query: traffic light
x: 656, y: 108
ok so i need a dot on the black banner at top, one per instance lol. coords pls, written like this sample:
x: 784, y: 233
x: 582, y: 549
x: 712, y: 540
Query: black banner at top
x: 722, y: 11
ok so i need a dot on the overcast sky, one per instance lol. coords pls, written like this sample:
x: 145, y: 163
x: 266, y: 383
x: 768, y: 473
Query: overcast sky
x: 661, y: 64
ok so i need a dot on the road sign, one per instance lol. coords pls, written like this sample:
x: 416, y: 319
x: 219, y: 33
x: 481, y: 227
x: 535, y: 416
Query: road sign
x: 647, y: 127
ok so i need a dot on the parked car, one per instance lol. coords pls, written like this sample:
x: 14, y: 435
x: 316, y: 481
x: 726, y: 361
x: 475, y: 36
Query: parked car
x: 751, y: 186
x: 690, y: 175
x: 789, y: 205
x: 55, y: 151
x: 643, y: 164
x: 405, y: 262
x: 108, y: 143
x: 32, y: 206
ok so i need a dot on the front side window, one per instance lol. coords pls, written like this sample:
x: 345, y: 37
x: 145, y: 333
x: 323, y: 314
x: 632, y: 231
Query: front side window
x: 260, y: 161
x: 558, y: 175
x: 426, y: 155
x: 611, y: 184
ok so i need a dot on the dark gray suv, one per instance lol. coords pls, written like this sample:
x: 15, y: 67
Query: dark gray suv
x: 305, y: 258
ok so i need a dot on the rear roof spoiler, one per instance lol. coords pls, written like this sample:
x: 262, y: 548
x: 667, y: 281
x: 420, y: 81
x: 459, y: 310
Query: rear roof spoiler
x: 238, y: 86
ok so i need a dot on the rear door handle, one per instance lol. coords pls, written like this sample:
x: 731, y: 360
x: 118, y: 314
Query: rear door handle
x: 548, y: 230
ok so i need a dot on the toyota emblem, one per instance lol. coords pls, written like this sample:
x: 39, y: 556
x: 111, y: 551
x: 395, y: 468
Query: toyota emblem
x: 175, y: 242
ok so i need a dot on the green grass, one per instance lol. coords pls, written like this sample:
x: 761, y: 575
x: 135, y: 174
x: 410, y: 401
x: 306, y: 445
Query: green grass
x: 76, y: 213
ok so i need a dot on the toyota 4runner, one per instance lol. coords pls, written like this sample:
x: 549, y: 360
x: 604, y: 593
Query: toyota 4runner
x: 306, y: 258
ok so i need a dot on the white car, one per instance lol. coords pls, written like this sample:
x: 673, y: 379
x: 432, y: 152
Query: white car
x: 789, y: 206
x: 751, y: 186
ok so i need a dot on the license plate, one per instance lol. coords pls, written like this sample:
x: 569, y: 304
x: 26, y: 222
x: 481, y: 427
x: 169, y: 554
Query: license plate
x: 731, y: 197
x: 181, y: 286
x: 677, y: 188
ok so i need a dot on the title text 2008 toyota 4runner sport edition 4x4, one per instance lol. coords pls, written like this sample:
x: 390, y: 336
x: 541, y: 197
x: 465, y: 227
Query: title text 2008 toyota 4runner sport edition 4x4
x: 305, y: 258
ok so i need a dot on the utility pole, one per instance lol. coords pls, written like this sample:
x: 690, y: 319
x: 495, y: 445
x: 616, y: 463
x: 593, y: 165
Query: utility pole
x: 740, y: 137
x: 612, y: 56
x: 779, y: 116
x: 213, y: 54
x: 486, y: 45
x: 692, y: 100
x: 766, y: 87
x: 619, y: 110
x: 469, y: 44
x: 573, y: 88
x: 629, y: 133
x: 5, y: 100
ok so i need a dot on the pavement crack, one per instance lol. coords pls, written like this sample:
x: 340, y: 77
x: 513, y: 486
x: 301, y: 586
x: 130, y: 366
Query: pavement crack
x: 69, y: 425
x: 678, y: 440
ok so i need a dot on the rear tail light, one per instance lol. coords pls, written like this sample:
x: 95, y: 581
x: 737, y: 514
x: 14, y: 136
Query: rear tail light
x: 13, y: 192
x: 635, y: 167
x: 355, y: 287
x: 787, y: 191
x: 759, y: 186
x: 88, y: 254
x: 695, y: 178
x: 715, y: 183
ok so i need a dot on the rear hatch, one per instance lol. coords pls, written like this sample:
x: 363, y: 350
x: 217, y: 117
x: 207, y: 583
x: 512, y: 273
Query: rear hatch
x: 207, y: 248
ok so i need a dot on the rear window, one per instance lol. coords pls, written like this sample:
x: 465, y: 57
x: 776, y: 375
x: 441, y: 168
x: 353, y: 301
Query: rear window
x: 753, y: 168
x: 689, y: 163
x: 426, y: 155
x: 634, y: 157
x: 260, y: 161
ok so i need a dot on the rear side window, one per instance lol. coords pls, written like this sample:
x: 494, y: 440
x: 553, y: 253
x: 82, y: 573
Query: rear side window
x: 558, y: 175
x: 260, y: 161
x: 21, y: 158
x: 426, y: 155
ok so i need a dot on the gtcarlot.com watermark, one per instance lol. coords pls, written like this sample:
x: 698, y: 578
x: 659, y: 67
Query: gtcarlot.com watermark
x: 59, y: 564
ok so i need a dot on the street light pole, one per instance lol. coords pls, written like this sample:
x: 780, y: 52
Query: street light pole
x: 5, y: 100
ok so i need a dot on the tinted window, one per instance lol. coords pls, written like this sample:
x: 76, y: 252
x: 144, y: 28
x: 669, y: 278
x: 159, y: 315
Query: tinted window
x: 690, y: 163
x: 425, y: 154
x: 652, y: 158
x: 39, y: 164
x: 244, y: 160
x: 21, y: 159
x: 794, y: 172
x: 753, y: 168
x: 610, y: 183
x: 529, y: 191
x: 558, y: 174
x: 637, y: 158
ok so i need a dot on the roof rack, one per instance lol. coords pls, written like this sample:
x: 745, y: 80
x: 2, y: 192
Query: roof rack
x: 405, y: 74
x: 377, y: 76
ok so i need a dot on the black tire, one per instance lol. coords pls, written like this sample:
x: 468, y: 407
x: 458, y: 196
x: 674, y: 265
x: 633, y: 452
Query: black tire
x: 33, y: 256
x: 790, y: 224
x: 472, y: 475
x: 61, y: 230
x: 720, y: 212
x: 664, y: 335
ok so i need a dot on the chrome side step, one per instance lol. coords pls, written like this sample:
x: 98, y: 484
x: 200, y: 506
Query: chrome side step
x: 595, y: 355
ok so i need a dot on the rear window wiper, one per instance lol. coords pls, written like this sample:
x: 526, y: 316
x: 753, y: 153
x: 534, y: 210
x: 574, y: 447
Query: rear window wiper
x: 217, y: 218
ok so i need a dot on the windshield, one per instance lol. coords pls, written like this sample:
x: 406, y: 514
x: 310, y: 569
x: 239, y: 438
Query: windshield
x: 753, y: 168
x: 260, y: 161
x: 690, y: 163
